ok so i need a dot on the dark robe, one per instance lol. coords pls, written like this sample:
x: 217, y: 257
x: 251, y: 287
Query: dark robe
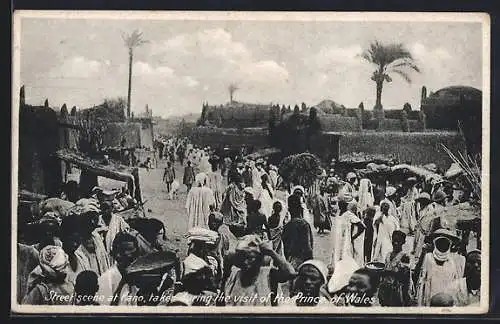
x: 297, y: 241
x: 234, y: 207
x: 368, y: 243
x: 189, y: 176
x: 320, y: 212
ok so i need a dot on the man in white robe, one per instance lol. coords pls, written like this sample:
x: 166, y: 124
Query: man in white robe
x: 346, y: 243
x: 215, y: 183
x: 200, y: 200
x: 385, y: 224
x: 390, y: 193
x: 205, y: 166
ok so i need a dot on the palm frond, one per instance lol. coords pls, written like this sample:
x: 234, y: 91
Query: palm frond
x: 471, y: 169
x: 385, y: 54
x: 233, y: 87
x: 402, y: 74
x: 405, y: 64
x: 134, y: 39
x: 366, y: 56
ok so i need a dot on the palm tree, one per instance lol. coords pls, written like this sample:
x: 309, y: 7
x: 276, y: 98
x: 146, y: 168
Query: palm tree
x: 232, y: 89
x: 132, y: 41
x: 389, y: 58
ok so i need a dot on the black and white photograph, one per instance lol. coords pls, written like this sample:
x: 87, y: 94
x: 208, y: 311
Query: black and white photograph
x: 250, y: 162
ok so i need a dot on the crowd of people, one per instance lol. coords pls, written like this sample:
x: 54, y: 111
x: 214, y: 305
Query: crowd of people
x: 250, y: 243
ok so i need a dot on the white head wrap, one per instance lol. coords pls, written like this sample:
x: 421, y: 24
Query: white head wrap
x: 319, y: 265
x: 389, y: 191
x: 200, y: 179
x: 53, y: 259
x: 300, y: 188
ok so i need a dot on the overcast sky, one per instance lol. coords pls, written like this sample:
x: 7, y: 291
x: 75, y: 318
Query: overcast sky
x: 81, y: 62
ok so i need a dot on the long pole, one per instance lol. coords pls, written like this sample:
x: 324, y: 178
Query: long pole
x: 130, y: 58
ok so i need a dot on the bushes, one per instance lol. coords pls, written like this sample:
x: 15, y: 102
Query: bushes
x: 115, y: 131
x: 300, y: 169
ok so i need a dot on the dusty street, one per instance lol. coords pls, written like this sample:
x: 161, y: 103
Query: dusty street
x: 172, y: 212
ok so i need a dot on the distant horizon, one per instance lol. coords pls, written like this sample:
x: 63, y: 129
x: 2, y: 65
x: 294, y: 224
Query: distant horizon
x: 81, y: 62
x: 137, y: 113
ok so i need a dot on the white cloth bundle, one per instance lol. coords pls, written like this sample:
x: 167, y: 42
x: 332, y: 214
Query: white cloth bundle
x: 342, y: 273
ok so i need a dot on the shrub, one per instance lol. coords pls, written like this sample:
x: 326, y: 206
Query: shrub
x: 300, y: 169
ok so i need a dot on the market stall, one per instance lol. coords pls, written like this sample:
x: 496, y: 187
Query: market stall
x: 92, y: 168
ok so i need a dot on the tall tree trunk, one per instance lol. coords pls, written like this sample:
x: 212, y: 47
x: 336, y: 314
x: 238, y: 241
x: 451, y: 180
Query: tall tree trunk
x: 130, y: 59
x: 378, y: 110
x: 378, y: 102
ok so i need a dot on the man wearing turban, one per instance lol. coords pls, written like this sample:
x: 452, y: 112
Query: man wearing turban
x: 250, y: 282
x: 196, y: 284
x: 309, y: 288
x: 49, y: 279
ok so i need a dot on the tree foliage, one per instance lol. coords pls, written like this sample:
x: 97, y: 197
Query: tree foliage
x: 389, y: 59
x: 93, y: 122
x: 300, y: 169
x: 133, y: 40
